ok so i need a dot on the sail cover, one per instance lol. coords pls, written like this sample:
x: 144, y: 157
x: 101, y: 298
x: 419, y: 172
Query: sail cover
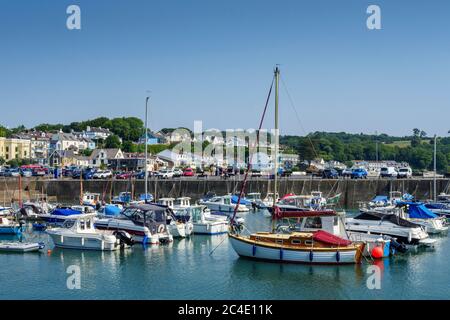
x: 234, y: 199
x: 65, y: 212
x: 419, y: 211
x: 329, y: 238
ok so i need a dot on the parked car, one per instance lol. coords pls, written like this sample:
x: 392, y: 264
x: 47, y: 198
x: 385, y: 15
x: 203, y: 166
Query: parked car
x: 165, y: 174
x: 125, y: 175
x: 39, y: 172
x: 102, y: 174
x: 88, y: 174
x: 201, y: 173
x: 330, y: 174
x: 27, y: 173
x: 188, y: 172
x: 359, y: 173
x: 177, y: 172
x: 347, y: 172
x: 404, y: 172
x: 14, y: 172
x: 230, y: 171
x: 388, y: 172
x: 256, y: 173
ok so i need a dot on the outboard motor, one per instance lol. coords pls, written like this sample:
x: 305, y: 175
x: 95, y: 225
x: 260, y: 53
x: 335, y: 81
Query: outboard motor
x: 124, y: 238
x: 398, y: 246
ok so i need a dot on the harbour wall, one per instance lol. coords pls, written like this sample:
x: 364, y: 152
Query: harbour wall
x: 353, y: 192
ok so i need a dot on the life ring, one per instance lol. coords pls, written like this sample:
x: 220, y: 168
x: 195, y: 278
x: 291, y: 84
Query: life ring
x: 161, y: 228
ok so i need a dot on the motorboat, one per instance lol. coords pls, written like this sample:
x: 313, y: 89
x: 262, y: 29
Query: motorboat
x: 9, y: 227
x: 123, y: 198
x: 6, y: 211
x: 203, y: 222
x: 147, y: 223
x: 78, y: 232
x: 91, y: 199
x: 59, y: 215
x: 418, y: 213
x: 223, y: 204
x: 21, y: 247
x: 309, y: 247
x: 270, y: 199
x: 177, y: 228
x: 404, y: 231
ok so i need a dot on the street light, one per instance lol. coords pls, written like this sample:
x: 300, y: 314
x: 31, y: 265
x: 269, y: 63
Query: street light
x: 145, y: 137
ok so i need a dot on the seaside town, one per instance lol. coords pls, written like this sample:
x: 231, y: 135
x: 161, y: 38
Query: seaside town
x: 223, y: 151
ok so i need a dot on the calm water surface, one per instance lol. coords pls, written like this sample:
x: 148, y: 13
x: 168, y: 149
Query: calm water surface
x: 187, y: 270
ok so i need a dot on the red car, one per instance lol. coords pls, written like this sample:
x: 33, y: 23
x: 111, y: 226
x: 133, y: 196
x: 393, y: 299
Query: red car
x: 188, y: 172
x: 124, y: 175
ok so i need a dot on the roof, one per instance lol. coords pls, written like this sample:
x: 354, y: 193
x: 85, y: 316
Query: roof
x: 98, y: 129
x: 110, y: 153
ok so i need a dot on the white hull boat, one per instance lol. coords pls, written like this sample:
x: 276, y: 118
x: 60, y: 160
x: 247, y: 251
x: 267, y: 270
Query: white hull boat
x: 79, y: 233
x: 146, y: 223
x: 21, y: 247
x: 203, y: 222
x: 224, y: 204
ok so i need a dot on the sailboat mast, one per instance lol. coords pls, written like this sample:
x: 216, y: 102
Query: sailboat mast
x: 146, y: 148
x: 277, y: 81
x: 434, y: 182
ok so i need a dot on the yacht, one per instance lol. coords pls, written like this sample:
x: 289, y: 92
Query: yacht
x: 372, y: 222
x: 147, y: 223
x: 79, y: 233
x: 334, y: 223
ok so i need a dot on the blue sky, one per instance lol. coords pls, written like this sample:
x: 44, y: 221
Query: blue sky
x: 212, y: 60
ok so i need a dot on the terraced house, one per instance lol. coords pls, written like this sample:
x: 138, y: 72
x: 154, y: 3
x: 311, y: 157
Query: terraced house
x: 11, y: 148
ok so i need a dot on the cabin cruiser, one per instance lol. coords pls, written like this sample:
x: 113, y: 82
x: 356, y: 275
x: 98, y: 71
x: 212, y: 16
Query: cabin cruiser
x: 223, y: 204
x: 91, y: 199
x: 9, y: 227
x: 6, y: 211
x: 404, y: 231
x: 147, y: 223
x: 202, y: 220
x: 177, y: 228
x: 418, y: 213
x: 78, y: 232
x: 270, y: 199
x: 122, y: 198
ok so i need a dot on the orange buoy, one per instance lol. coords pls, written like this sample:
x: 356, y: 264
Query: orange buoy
x: 49, y: 251
x: 377, y: 252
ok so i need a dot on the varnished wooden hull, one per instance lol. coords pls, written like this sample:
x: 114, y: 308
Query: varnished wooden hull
x: 248, y: 248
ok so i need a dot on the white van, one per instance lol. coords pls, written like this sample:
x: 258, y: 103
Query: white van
x: 405, y: 172
x: 389, y: 172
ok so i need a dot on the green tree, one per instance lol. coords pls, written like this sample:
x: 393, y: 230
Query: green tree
x: 112, y: 142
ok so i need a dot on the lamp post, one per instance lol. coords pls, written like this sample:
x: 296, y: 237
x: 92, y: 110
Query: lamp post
x: 145, y: 137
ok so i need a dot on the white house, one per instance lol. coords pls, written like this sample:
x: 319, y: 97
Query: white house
x: 101, y: 157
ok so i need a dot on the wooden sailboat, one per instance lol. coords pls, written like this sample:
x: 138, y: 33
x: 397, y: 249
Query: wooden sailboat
x: 318, y: 247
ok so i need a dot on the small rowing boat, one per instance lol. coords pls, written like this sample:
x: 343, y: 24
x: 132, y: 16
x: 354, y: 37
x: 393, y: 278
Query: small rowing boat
x: 21, y: 247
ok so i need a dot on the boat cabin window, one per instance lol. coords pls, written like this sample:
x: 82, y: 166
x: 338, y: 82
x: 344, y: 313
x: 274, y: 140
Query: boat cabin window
x: 308, y: 242
x: 313, y: 222
x: 296, y: 241
x: 82, y: 224
x: 68, y: 223
x: 279, y: 241
x: 336, y: 221
x: 88, y: 224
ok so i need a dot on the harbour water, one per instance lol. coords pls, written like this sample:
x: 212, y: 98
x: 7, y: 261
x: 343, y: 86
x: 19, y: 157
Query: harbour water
x: 185, y: 269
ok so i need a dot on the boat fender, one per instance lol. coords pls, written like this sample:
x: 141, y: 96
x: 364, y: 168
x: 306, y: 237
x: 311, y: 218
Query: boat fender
x: 161, y: 228
x: 254, y: 250
x: 281, y: 253
x: 145, y: 240
x: 338, y: 256
x: 409, y: 236
x: 311, y: 256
